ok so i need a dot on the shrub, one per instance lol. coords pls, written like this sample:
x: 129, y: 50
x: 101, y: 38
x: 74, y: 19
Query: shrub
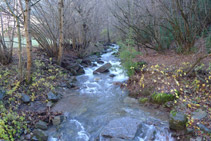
x: 127, y: 53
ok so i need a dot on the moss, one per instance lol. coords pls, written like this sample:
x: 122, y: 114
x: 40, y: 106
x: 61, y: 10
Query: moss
x: 162, y: 98
x: 143, y: 100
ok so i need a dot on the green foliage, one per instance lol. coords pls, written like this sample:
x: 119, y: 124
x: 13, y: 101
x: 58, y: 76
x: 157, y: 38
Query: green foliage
x: 127, y: 54
x: 11, y: 124
x: 162, y: 98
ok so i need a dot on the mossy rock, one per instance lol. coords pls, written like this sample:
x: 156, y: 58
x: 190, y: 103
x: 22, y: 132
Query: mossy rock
x: 162, y: 98
x: 177, y: 121
x: 143, y: 100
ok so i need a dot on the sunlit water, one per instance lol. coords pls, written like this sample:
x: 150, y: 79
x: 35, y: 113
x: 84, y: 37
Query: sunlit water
x: 99, y: 101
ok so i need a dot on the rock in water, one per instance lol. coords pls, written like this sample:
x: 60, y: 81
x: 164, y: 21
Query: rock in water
x: 25, y: 98
x: 122, y: 128
x: 52, y: 97
x: 102, y: 69
x: 177, y: 121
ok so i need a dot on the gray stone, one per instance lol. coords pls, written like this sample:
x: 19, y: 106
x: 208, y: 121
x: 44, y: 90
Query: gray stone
x: 112, y: 75
x: 41, y: 125
x: 204, y: 128
x: 100, y: 62
x: 52, y: 97
x: 199, y: 114
x: 57, y: 120
x: 130, y: 100
x: 40, y: 135
x: 177, y: 121
x: 145, y: 132
x: 2, y: 94
x: 80, y: 71
x: 121, y: 128
x: 102, y: 69
x: 25, y: 98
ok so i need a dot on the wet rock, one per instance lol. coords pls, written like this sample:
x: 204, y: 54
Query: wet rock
x: 2, y: 94
x: 72, y: 66
x: 204, y: 128
x: 130, y: 100
x: 25, y: 98
x: 121, y: 128
x: 177, y: 121
x: 100, y: 62
x: 145, y: 132
x: 102, y: 69
x: 112, y: 75
x: 80, y: 71
x: 40, y: 135
x: 87, y: 62
x: 71, y: 85
x: 143, y: 100
x: 199, y: 114
x: 72, y: 79
x: 41, y: 125
x: 52, y: 97
x: 57, y: 120
x: 162, y: 98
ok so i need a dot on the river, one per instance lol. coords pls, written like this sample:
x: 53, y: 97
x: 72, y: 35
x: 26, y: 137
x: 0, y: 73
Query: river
x: 97, y: 111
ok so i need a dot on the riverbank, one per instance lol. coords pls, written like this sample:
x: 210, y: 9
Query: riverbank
x: 23, y: 107
x: 162, y: 83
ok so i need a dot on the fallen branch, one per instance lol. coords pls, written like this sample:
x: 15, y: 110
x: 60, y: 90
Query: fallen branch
x: 197, y: 61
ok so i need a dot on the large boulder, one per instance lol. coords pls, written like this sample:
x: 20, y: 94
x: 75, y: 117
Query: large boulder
x: 122, y: 128
x: 177, y: 121
x: 102, y: 69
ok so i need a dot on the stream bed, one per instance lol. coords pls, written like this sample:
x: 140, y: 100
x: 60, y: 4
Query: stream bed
x: 98, y: 111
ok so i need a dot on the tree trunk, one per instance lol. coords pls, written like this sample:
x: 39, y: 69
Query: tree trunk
x: 20, y: 64
x: 61, y: 24
x: 28, y: 39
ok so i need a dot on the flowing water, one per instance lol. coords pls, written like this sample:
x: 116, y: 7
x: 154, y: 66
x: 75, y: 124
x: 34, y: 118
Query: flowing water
x: 99, y: 101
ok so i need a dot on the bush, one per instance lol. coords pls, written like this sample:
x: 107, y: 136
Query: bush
x: 127, y: 53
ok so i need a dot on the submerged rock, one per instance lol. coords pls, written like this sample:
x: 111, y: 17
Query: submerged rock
x: 162, y: 98
x: 52, y: 97
x: 102, y: 69
x: 122, y: 128
x: 177, y: 121
x: 25, y: 98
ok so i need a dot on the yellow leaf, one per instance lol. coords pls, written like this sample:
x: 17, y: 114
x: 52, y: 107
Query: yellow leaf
x: 189, y: 105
